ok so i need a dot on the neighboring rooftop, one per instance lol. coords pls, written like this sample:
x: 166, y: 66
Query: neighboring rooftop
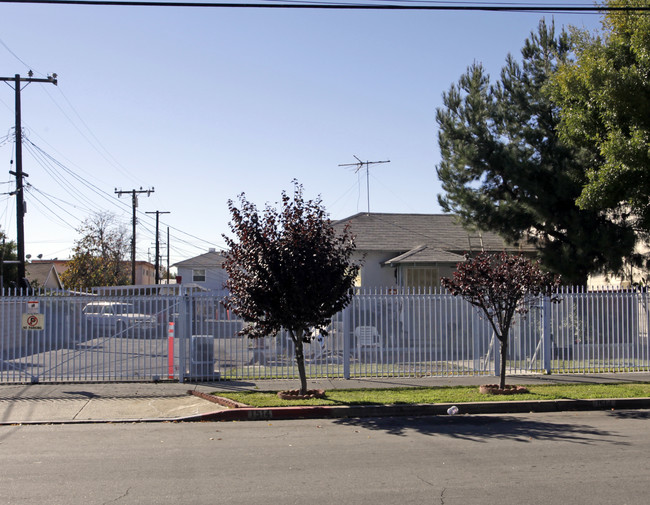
x: 211, y: 259
x: 430, y: 234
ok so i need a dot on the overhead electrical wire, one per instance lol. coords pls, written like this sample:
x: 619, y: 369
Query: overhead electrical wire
x: 395, y: 5
x: 52, y: 166
x: 95, y: 142
x: 51, y: 170
x: 51, y: 212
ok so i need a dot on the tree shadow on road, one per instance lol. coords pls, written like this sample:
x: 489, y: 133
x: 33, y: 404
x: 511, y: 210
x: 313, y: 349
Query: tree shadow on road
x: 484, y: 428
x: 630, y: 414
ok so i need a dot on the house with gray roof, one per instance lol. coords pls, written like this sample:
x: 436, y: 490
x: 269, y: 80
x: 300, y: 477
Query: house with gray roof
x: 416, y: 250
x: 203, y: 272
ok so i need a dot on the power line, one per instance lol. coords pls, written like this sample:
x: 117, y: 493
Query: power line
x: 346, y: 6
x: 134, y: 202
x: 66, y: 177
x: 20, y: 175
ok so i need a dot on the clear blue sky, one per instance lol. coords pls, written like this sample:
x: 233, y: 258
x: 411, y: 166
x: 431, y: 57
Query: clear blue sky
x: 204, y: 104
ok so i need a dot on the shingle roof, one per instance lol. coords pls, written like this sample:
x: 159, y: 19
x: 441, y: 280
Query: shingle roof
x: 404, y: 232
x: 211, y: 259
x: 43, y: 273
x: 426, y: 254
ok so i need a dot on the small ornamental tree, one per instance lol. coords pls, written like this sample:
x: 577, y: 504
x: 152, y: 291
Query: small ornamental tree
x: 287, y: 268
x: 501, y: 285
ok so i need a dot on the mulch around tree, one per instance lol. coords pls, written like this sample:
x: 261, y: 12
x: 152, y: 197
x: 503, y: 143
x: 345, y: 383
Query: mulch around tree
x: 494, y: 389
x: 294, y: 394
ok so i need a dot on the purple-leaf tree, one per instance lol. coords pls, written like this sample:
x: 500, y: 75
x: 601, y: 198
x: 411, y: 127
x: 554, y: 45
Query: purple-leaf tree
x: 287, y: 268
x: 501, y: 285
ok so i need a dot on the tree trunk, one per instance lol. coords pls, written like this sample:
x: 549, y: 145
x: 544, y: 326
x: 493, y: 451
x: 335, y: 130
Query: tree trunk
x: 504, y: 355
x: 300, y: 360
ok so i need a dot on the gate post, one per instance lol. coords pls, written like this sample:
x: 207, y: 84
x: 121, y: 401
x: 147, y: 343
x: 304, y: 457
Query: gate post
x: 184, y: 330
x: 346, y: 341
x: 546, y: 333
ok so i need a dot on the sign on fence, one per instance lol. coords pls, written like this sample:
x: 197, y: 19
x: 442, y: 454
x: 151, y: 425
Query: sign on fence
x: 33, y: 321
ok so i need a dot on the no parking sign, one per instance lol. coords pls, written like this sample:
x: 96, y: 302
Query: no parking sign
x: 33, y: 321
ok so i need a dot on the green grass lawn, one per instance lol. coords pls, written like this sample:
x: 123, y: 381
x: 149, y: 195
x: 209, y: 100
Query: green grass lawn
x: 460, y: 394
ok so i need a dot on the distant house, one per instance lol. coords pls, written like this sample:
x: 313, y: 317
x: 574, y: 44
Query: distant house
x: 145, y: 272
x: 43, y: 275
x: 59, y: 265
x: 204, y: 271
x: 415, y: 250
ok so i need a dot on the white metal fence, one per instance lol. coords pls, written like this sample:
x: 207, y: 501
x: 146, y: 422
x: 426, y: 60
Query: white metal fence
x: 84, y: 337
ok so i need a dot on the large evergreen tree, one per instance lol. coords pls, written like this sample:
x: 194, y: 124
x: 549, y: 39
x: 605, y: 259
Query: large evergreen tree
x: 504, y: 168
x: 605, y: 100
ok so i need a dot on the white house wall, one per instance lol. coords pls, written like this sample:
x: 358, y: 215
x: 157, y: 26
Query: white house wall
x: 373, y: 274
x: 215, y: 278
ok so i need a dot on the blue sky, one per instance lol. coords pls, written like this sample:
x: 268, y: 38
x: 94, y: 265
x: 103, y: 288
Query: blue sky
x: 204, y: 104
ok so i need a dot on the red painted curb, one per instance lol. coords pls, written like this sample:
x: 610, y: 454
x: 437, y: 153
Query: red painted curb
x: 325, y: 412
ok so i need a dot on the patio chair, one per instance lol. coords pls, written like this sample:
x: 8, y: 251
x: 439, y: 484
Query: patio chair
x: 368, y: 338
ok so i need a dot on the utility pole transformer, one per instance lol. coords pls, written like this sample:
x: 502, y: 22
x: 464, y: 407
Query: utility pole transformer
x: 20, y: 196
x: 157, y: 262
x: 134, y: 203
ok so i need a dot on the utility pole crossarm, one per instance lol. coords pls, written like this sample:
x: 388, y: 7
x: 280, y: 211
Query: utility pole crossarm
x: 134, y: 202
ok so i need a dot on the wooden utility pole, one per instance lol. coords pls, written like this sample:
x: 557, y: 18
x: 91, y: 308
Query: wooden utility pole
x: 157, y: 262
x: 20, y: 196
x: 168, y: 255
x: 359, y: 164
x: 134, y: 202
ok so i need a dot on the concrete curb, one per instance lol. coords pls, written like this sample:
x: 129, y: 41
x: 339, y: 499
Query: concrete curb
x: 326, y: 412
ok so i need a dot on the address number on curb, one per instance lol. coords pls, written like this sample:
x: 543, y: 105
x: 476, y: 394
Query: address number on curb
x: 260, y: 414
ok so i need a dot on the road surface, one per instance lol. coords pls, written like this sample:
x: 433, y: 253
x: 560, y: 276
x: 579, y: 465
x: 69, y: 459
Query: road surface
x: 560, y: 458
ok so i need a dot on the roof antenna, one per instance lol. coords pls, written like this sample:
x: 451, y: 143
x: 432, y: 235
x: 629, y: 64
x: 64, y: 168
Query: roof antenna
x: 359, y: 165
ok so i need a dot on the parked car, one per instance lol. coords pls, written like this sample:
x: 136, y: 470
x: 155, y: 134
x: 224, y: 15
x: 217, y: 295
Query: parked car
x: 118, y: 319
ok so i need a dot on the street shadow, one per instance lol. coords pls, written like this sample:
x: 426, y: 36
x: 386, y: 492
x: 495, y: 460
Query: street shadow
x: 630, y: 414
x: 480, y: 428
x: 226, y: 385
x: 83, y: 394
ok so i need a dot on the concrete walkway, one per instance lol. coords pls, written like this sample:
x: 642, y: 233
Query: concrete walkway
x: 172, y: 401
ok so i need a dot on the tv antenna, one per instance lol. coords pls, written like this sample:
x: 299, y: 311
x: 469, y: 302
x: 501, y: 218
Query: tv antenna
x: 359, y: 165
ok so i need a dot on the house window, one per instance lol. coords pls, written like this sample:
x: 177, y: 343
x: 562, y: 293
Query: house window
x: 198, y: 275
x: 420, y: 277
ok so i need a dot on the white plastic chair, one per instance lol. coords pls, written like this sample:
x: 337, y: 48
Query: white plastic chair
x: 368, y: 338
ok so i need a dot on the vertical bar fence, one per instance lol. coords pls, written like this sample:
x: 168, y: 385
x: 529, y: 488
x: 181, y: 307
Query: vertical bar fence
x: 117, y: 336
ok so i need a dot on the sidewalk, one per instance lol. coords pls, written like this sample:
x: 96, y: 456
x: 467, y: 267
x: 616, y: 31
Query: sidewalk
x: 172, y: 401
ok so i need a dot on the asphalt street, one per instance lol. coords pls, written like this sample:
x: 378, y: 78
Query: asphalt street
x: 593, y: 458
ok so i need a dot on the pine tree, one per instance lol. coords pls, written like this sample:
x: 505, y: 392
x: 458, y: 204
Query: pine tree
x: 505, y: 169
